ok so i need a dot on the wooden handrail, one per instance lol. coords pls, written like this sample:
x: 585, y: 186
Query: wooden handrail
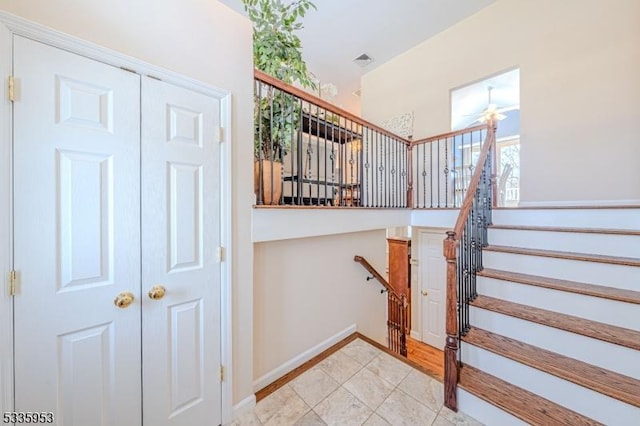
x: 450, y: 134
x: 465, y: 208
x: 266, y: 78
x: 361, y: 260
x: 450, y: 249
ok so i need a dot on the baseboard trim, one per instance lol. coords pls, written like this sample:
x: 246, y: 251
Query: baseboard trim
x: 300, y: 359
x: 593, y: 204
x: 244, y: 406
x: 416, y: 335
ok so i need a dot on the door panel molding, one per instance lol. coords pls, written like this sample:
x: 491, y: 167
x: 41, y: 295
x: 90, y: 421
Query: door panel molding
x: 12, y: 25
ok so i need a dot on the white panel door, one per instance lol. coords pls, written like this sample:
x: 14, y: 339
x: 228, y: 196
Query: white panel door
x: 77, y: 237
x: 180, y: 236
x: 433, y: 268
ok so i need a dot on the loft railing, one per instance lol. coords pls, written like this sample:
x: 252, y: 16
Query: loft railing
x: 443, y: 166
x: 397, y: 310
x: 463, y: 252
x: 310, y: 152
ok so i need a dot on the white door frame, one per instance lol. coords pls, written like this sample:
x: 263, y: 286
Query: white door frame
x: 10, y: 25
x: 416, y: 331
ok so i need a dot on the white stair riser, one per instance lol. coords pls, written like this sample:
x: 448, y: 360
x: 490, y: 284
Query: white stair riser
x: 484, y: 412
x: 575, y: 218
x: 592, y: 351
x: 570, y: 395
x: 619, y: 276
x: 606, y: 311
x: 607, y: 244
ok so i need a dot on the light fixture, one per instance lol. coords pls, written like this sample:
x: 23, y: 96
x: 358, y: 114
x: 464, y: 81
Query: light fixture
x: 363, y: 60
x: 491, y: 112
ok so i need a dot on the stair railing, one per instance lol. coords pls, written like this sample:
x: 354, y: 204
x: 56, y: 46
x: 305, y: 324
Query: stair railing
x: 308, y: 151
x: 443, y: 165
x: 397, y: 310
x: 463, y: 252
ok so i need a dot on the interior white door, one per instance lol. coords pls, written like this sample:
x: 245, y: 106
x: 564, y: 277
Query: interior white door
x: 180, y: 236
x: 77, y: 237
x: 433, y: 273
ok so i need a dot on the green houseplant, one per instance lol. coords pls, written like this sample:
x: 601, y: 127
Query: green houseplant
x: 277, y: 51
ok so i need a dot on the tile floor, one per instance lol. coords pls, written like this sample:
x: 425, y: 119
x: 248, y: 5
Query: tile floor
x: 358, y: 385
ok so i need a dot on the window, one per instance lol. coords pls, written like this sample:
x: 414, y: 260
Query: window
x: 469, y: 104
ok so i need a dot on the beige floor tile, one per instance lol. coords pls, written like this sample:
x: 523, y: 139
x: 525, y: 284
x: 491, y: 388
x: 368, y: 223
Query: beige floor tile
x: 310, y: 419
x: 389, y: 368
x: 248, y: 419
x: 340, y: 366
x: 399, y: 409
x: 376, y: 420
x: 361, y: 351
x: 441, y: 421
x: 313, y: 386
x: 283, y: 407
x: 424, y: 389
x: 459, y: 418
x: 342, y: 409
x: 369, y: 388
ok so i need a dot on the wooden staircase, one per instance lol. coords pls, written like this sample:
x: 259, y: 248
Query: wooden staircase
x: 551, y: 341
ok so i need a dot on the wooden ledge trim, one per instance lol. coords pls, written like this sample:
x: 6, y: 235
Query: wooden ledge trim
x: 594, y: 207
x: 604, y: 292
x: 606, y: 382
x: 614, y: 260
x: 596, y: 330
x: 563, y: 229
x: 521, y: 403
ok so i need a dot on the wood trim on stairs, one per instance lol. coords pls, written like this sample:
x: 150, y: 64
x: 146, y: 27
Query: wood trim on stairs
x: 614, y: 260
x: 608, y: 231
x: 596, y: 330
x: 520, y: 403
x: 594, y: 290
x: 615, y: 385
x: 271, y: 388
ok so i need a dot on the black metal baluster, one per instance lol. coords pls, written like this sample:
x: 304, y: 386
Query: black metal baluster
x: 431, y: 173
x: 446, y: 172
x: 324, y: 157
x: 366, y: 134
x: 260, y: 153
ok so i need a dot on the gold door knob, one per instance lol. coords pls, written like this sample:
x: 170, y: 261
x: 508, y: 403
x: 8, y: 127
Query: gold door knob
x: 124, y: 299
x: 424, y: 292
x: 157, y: 292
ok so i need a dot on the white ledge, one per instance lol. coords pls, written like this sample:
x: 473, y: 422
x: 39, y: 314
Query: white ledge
x: 271, y: 224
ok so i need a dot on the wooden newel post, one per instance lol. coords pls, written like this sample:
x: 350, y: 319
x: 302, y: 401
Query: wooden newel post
x: 451, y: 367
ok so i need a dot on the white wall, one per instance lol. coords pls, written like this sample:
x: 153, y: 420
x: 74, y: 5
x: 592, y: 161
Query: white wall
x: 204, y: 40
x: 580, y: 92
x: 308, y: 290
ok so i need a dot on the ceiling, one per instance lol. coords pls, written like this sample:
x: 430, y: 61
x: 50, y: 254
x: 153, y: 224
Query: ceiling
x: 341, y: 30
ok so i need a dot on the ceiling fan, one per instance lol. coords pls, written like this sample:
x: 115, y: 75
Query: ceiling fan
x: 492, y: 111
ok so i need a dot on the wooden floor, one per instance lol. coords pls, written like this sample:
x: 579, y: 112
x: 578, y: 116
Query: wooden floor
x: 428, y: 357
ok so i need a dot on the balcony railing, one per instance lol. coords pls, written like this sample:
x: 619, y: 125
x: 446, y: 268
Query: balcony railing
x: 309, y: 152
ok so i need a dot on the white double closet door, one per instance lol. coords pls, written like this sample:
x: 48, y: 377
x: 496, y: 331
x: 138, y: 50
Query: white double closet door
x: 116, y: 190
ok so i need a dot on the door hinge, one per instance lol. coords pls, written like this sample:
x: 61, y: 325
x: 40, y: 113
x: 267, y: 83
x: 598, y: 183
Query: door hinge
x: 13, y: 282
x: 222, y: 373
x: 220, y: 134
x: 11, y: 88
x: 220, y: 254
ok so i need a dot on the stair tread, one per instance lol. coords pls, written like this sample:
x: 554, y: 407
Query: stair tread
x: 605, y: 292
x: 615, y: 385
x: 521, y: 403
x: 616, y: 260
x: 605, y: 332
x: 611, y: 231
